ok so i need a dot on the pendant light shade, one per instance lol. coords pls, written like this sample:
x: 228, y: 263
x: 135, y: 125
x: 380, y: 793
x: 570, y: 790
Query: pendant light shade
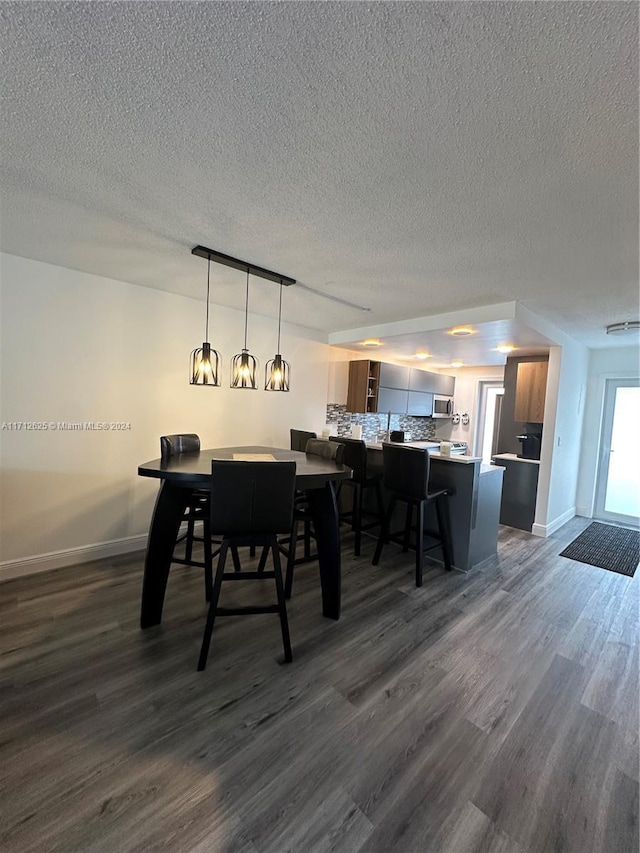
x: 244, y: 366
x: 276, y: 372
x: 205, y: 361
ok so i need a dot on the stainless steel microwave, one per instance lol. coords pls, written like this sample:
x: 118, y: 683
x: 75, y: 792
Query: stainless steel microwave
x: 442, y: 406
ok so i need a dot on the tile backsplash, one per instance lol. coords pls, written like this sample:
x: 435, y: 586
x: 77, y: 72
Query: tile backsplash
x: 374, y: 426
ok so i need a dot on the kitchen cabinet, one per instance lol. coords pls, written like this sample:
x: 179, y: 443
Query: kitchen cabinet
x: 394, y: 376
x: 362, y: 394
x: 393, y: 400
x: 443, y: 384
x: 420, y: 404
x: 531, y: 389
x: 421, y: 380
x: 376, y: 386
x: 519, y: 490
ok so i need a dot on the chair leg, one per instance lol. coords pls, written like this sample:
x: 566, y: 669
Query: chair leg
x: 252, y: 550
x: 384, y: 531
x: 419, y: 542
x: 357, y: 517
x: 291, y: 559
x: 406, y: 541
x: 208, y: 559
x: 236, y: 559
x: 443, y: 529
x: 263, y: 558
x: 211, y: 615
x: 284, y: 624
x: 189, y: 542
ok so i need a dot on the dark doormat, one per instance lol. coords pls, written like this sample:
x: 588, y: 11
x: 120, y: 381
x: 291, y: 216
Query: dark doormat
x: 616, y: 549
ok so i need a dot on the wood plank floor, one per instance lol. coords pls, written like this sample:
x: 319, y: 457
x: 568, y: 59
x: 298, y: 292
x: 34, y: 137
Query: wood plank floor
x: 495, y: 712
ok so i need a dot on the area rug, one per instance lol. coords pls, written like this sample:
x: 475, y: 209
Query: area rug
x: 616, y: 549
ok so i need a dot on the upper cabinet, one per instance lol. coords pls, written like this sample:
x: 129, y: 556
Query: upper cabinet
x: 531, y: 389
x: 376, y: 386
x: 362, y: 394
x: 394, y: 376
x: 443, y: 384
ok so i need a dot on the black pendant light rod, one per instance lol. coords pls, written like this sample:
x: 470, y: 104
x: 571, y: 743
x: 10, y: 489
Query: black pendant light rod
x: 279, y: 316
x: 246, y: 310
x: 206, y: 325
x: 236, y: 263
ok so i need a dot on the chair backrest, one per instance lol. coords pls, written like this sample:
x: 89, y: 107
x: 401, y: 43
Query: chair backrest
x: 325, y: 449
x: 252, y: 498
x: 186, y: 442
x: 406, y: 470
x: 299, y: 439
x: 354, y: 456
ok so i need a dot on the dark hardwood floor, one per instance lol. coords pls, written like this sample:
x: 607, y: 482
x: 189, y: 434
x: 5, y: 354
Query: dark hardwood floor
x: 495, y: 712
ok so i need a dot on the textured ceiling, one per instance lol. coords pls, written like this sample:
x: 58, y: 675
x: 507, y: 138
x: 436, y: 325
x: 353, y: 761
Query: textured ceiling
x: 413, y: 158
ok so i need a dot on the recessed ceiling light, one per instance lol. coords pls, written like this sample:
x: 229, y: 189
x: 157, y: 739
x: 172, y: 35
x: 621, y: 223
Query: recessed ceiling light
x: 623, y: 328
x: 372, y: 342
x: 505, y: 348
x: 457, y: 364
x: 461, y: 331
x: 423, y: 355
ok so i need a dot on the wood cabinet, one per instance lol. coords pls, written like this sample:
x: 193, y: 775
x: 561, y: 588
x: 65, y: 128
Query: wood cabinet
x: 376, y: 386
x: 362, y: 393
x: 531, y: 389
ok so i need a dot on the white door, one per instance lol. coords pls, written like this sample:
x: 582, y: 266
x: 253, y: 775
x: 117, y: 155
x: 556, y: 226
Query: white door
x: 618, y: 488
x: 490, y: 402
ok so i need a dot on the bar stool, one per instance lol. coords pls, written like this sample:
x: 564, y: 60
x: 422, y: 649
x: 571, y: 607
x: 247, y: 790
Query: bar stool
x: 298, y: 439
x: 406, y: 476
x: 251, y: 503
x: 197, y: 509
x: 355, y: 457
x: 325, y: 450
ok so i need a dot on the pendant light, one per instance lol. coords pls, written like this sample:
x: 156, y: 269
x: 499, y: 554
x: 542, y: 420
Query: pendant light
x: 244, y: 365
x: 276, y: 372
x: 205, y: 362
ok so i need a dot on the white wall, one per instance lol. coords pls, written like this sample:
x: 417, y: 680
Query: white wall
x: 561, y: 437
x: 467, y: 400
x: 613, y: 363
x: 77, y: 347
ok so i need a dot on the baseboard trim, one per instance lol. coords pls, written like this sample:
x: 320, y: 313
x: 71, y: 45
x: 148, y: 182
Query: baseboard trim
x: 545, y: 530
x: 70, y: 557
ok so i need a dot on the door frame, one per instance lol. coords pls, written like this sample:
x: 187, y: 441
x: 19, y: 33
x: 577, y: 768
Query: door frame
x: 483, y: 387
x: 611, y: 385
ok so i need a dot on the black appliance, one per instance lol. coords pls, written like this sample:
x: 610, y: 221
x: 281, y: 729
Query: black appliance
x: 397, y: 435
x: 531, y: 442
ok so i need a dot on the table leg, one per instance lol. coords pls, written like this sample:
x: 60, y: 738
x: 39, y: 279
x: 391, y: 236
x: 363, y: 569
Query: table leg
x: 324, y: 512
x: 167, y: 516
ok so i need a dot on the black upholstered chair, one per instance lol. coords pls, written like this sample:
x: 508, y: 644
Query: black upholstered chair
x: 355, y: 457
x: 325, y: 450
x: 197, y: 509
x: 251, y: 503
x: 406, y: 476
x: 299, y: 439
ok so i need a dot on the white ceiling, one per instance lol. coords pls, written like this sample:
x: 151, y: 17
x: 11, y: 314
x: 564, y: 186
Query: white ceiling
x: 412, y: 158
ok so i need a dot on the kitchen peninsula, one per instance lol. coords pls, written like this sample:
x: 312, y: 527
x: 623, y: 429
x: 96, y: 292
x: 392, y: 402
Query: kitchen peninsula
x: 474, y: 501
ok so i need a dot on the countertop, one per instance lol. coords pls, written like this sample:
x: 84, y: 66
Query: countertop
x: 512, y: 457
x: 434, y: 454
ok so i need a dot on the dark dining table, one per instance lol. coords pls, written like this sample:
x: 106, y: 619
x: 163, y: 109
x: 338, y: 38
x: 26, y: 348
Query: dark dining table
x: 182, y: 473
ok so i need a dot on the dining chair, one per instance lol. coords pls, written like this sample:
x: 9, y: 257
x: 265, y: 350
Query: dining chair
x: 298, y: 439
x: 197, y: 509
x: 406, y: 477
x: 355, y: 457
x: 251, y: 503
x: 323, y: 449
